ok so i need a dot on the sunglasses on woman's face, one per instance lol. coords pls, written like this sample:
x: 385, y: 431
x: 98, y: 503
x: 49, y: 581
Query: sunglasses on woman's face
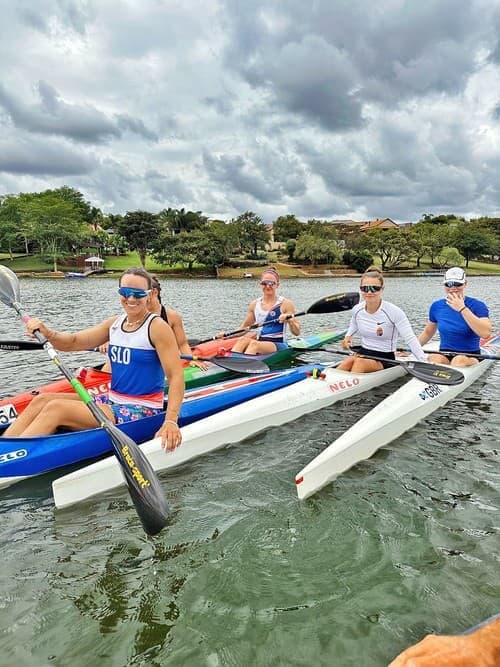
x: 268, y: 283
x: 127, y: 292
x: 370, y: 288
x: 453, y: 283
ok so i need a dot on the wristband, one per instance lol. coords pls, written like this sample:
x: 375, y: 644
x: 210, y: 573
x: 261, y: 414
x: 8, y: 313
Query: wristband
x: 171, y: 421
x: 461, y: 309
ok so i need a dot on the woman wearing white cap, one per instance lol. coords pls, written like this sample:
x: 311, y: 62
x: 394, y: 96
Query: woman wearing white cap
x: 461, y: 321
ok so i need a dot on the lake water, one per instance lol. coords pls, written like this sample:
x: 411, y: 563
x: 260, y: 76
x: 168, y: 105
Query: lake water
x: 245, y: 574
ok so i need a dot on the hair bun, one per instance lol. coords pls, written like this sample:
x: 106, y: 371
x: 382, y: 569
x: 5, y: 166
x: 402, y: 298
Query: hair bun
x: 373, y: 269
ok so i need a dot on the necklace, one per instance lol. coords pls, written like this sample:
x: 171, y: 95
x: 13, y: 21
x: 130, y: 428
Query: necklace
x: 131, y: 324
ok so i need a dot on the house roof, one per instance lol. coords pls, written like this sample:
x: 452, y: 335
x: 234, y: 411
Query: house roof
x: 347, y: 223
x: 381, y: 223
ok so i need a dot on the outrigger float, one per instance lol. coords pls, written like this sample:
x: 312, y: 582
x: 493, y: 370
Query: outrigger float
x: 395, y: 415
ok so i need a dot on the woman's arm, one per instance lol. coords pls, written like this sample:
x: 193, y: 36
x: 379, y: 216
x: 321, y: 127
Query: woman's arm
x: 175, y: 321
x: 428, y: 332
x: 248, y: 321
x: 250, y: 316
x: 71, y: 342
x: 348, y: 341
x: 479, y: 649
x: 165, y: 343
x: 353, y: 327
x: 406, y: 332
x: 479, y: 325
x: 287, y: 308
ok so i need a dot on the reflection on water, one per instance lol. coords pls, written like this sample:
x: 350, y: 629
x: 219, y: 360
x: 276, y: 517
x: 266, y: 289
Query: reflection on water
x: 245, y: 574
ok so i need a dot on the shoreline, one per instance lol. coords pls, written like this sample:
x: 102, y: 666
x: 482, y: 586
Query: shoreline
x: 237, y: 276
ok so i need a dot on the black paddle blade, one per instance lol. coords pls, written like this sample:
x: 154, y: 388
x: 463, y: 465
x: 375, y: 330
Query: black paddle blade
x: 241, y: 364
x: 193, y: 342
x: 422, y: 370
x: 143, y: 485
x: 434, y: 374
x: 334, y: 303
x: 15, y: 345
x: 9, y: 286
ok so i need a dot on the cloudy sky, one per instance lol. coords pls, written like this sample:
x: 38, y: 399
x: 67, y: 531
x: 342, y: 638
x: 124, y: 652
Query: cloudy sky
x: 326, y: 109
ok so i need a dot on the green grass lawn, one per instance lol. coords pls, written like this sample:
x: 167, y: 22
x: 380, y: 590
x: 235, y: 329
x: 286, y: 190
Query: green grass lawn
x: 474, y: 268
x: 26, y: 263
x: 35, y: 264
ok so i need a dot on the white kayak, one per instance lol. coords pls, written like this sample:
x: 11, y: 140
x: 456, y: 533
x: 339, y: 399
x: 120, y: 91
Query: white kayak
x: 396, y: 414
x: 229, y: 426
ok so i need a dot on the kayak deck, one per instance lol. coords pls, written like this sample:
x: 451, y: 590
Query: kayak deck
x: 96, y: 382
x: 28, y: 456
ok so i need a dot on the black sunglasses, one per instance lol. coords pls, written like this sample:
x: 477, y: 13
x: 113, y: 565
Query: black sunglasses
x: 370, y: 288
x: 453, y: 283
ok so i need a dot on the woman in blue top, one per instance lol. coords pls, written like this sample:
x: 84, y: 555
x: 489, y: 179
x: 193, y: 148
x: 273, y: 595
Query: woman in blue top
x: 461, y: 321
x: 142, y: 350
x: 271, y: 308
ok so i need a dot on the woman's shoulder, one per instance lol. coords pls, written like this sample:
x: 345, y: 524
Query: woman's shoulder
x: 155, y: 321
x: 392, y: 309
x: 438, y: 303
x: 157, y: 325
x: 472, y: 299
x: 113, y: 321
x: 173, y: 315
x: 478, y: 307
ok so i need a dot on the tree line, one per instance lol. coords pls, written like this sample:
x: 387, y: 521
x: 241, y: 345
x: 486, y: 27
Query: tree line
x: 57, y: 223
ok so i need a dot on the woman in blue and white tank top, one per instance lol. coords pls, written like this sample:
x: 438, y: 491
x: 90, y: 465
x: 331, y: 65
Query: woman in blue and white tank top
x: 171, y: 317
x: 274, y: 313
x: 142, y: 350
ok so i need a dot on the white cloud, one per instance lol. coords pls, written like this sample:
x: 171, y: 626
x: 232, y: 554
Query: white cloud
x: 324, y: 109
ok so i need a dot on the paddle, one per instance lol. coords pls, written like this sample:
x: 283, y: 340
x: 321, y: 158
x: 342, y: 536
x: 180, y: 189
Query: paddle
x: 241, y: 364
x: 467, y: 354
x: 328, y: 304
x: 143, y: 485
x: 422, y: 370
x: 16, y: 345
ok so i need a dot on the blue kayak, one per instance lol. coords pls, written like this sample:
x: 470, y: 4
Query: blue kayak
x: 22, y: 457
